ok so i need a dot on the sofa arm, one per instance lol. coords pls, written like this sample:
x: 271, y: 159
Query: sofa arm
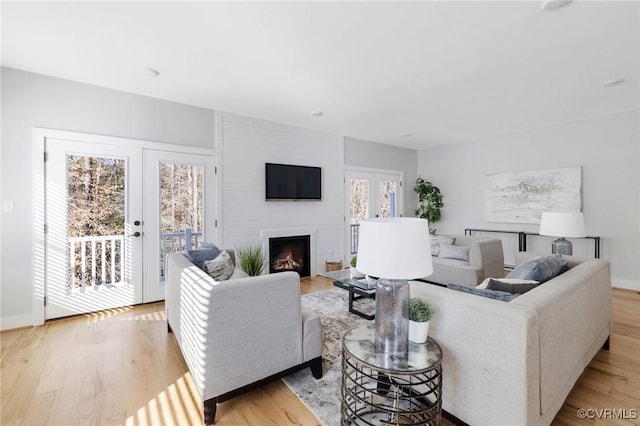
x: 488, y: 255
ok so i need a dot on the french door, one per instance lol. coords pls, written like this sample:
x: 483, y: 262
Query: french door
x: 178, y: 193
x: 112, y: 215
x: 369, y: 194
x: 93, y: 211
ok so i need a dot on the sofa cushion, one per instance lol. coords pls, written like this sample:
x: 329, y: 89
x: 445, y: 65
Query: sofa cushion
x: 513, y: 288
x: 206, y: 251
x: 541, y: 268
x: 221, y: 268
x: 491, y: 294
x: 449, y: 251
x: 436, y: 240
x: 238, y: 273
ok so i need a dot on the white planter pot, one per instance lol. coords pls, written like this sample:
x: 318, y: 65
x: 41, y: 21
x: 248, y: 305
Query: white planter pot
x: 418, y: 331
x: 355, y: 273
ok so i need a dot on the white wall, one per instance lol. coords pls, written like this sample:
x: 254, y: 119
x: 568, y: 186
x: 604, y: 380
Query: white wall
x: 247, y: 144
x: 33, y: 100
x: 361, y: 153
x: 607, y: 148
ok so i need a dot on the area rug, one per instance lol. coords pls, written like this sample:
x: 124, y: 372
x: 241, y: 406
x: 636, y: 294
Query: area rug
x: 322, y: 396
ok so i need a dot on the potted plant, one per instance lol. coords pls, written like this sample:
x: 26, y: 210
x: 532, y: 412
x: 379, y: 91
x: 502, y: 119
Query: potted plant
x: 429, y: 202
x: 251, y: 259
x: 354, y: 272
x: 420, y: 313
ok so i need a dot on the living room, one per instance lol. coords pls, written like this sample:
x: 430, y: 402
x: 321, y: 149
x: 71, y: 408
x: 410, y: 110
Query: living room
x: 591, y: 126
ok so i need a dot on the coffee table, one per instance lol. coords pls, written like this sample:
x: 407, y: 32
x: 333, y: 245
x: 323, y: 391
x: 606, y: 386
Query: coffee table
x: 358, y: 288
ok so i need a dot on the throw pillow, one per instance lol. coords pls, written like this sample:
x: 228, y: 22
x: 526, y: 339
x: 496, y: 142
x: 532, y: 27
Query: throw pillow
x: 491, y: 294
x: 449, y: 251
x: 436, y: 240
x: 520, y: 288
x: 485, y: 283
x: 206, y: 251
x: 221, y: 268
x: 541, y: 268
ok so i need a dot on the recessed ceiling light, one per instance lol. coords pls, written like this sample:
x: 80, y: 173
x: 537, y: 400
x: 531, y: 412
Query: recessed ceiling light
x: 149, y: 72
x: 406, y: 135
x: 549, y: 5
x: 615, y: 82
x: 317, y: 113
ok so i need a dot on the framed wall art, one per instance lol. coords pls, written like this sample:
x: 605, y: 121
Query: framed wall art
x: 521, y: 197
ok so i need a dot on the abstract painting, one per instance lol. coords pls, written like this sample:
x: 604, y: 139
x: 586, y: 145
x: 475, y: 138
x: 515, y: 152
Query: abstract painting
x: 521, y: 197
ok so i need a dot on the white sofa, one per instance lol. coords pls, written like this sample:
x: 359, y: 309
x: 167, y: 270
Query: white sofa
x: 514, y: 363
x: 486, y: 259
x: 237, y: 334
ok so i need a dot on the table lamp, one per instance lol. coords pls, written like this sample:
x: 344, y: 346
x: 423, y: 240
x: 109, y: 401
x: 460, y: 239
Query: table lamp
x: 395, y: 250
x: 563, y: 225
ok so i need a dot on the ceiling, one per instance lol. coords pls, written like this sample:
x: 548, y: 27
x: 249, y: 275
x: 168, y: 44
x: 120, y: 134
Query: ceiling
x: 445, y: 72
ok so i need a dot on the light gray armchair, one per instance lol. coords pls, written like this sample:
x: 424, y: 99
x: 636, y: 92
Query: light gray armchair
x: 486, y: 260
x: 240, y: 333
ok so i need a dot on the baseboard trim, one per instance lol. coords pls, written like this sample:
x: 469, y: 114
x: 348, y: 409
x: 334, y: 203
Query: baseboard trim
x: 625, y: 284
x: 16, y: 321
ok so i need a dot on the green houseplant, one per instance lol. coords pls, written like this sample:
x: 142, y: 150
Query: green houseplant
x: 251, y: 259
x: 420, y: 314
x: 429, y: 201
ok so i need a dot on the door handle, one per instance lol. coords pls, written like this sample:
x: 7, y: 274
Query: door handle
x: 135, y: 234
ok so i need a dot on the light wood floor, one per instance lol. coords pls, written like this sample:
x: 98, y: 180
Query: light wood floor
x: 121, y: 367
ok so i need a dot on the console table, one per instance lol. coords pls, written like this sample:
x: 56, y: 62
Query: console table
x: 379, y: 388
x: 522, y: 238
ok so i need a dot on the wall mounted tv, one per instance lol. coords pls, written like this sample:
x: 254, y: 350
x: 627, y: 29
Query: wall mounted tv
x: 289, y: 182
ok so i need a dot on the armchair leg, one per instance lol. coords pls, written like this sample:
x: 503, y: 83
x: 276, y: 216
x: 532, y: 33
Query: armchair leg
x: 169, y: 330
x: 606, y: 344
x: 316, y: 368
x: 210, y: 406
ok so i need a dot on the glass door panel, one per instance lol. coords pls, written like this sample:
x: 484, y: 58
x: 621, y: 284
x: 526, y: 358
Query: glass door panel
x: 93, y: 240
x: 181, y: 190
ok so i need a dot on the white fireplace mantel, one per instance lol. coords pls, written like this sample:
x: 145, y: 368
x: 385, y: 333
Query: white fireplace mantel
x: 290, y: 232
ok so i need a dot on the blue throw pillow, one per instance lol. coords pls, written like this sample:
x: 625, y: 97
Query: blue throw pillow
x: 206, y: 251
x: 491, y: 294
x: 540, y: 269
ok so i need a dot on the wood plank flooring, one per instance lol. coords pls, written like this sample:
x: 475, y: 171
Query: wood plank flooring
x: 121, y: 367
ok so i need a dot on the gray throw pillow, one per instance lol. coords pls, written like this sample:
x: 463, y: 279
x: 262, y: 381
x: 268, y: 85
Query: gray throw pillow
x: 540, y: 269
x: 206, y: 251
x: 491, y: 294
x: 449, y: 251
x: 221, y: 268
x: 519, y: 288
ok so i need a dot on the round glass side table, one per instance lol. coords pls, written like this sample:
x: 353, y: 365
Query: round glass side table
x: 379, y: 388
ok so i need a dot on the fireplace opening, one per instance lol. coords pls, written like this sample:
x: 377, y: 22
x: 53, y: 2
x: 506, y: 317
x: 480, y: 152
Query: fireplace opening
x: 290, y: 254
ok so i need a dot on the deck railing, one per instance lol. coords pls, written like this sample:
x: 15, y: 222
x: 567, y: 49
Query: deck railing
x: 99, y: 260
x: 355, y: 234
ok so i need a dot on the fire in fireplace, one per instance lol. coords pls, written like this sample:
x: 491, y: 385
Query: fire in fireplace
x: 290, y: 254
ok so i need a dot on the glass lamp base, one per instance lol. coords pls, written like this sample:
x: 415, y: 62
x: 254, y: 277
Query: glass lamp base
x: 561, y: 246
x: 392, y: 316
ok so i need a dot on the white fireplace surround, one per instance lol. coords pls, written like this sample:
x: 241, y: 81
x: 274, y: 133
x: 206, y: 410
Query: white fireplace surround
x: 290, y: 232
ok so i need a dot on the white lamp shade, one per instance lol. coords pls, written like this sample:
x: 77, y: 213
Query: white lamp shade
x: 394, y: 248
x: 562, y: 224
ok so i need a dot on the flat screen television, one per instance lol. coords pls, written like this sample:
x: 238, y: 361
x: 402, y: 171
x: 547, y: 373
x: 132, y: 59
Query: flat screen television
x: 289, y: 182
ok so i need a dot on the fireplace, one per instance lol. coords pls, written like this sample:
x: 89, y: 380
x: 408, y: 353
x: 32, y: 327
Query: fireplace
x: 291, y: 253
